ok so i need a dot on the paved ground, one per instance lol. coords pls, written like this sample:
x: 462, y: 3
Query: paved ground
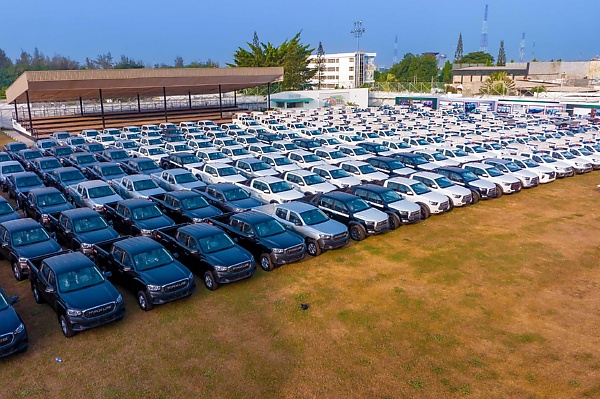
x: 19, y: 137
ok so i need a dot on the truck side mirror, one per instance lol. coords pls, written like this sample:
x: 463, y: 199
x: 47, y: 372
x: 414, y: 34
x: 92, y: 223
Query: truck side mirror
x: 49, y: 290
x: 298, y: 223
x: 127, y: 268
x: 107, y: 274
x: 5, y: 245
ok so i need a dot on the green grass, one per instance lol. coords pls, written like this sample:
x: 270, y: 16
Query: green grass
x: 496, y: 300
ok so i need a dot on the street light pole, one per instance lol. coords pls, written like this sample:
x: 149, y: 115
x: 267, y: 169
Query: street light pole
x: 357, y: 32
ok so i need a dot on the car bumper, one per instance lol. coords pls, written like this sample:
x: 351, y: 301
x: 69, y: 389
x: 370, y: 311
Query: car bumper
x: 159, y: 297
x: 285, y: 258
x: 331, y: 243
x: 530, y: 183
x: 80, y: 323
x: 18, y: 344
x: 440, y: 208
x: 581, y: 170
x: 513, y: 188
x: 408, y: 218
x: 463, y: 201
x: 228, y: 277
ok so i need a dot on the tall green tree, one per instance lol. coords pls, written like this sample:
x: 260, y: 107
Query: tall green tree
x: 446, y: 73
x: 458, y: 54
x: 501, y: 55
x: 477, y: 57
x: 320, y: 65
x: 128, y: 63
x: 411, y: 67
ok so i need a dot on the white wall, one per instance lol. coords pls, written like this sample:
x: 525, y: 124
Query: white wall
x: 321, y: 98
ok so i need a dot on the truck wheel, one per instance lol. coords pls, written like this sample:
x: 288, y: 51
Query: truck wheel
x: 357, y: 232
x: 65, y: 326
x: 450, y: 204
x: 425, y: 213
x: 475, y: 197
x: 394, y: 221
x: 312, y: 247
x: 498, y: 191
x: 143, y: 301
x: 265, y: 262
x: 17, y: 271
x: 36, y: 294
x: 210, y: 281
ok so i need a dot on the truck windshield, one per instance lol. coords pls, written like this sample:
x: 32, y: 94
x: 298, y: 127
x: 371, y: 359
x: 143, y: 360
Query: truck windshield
x: 313, y: 179
x: 185, y: 178
x: 113, y: 170
x: 89, y: 224
x: 419, y: 188
x: 511, y: 166
x: 51, y: 199
x: 282, y: 161
x: 128, y: 144
x: 259, y: 166
x: 216, y: 243
x: 50, y: 164
x: 460, y: 153
x: 338, y: 173
x: 63, y: 152
x: 31, y: 236
x: 147, y: 165
x: 314, y: 216
x: 357, y: 205
x: 16, y: 168
x: 146, y: 212
x: 147, y: 184
x: 229, y: 171
x: 279, y: 187
x: 269, y: 228
x: 235, y: 195
x: 95, y: 147
x: 443, y: 182
x: 99, y: 192
x: 469, y: 176
x: 152, y: 259
x: 79, y: 279
x: 29, y: 181
x: 438, y: 156
x: 5, y: 208
x: 493, y: 172
x: 192, y: 203
x: 85, y: 159
x: 366, y: 169
x: 156, y: 151
x: 72, y: 176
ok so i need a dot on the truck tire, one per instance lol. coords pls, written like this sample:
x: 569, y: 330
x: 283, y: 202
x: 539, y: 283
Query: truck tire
x: 65, y: 326
x: 265, y: 262
x: 17, y: 271
x: 210, y: 281
x: 450, y: 204
x: 312, y: 247
x: 394, y: 221
x: 498, y: 191
x: 357, y: 232
x: 36, y: 294
x: 425, y: 212
x: 143, y: 301
x: 475, y: 197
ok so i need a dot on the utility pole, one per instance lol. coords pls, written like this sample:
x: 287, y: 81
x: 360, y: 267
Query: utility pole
x: 358, y: 31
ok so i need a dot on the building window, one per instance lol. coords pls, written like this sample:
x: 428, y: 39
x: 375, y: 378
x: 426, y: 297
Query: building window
x: 351, y: 69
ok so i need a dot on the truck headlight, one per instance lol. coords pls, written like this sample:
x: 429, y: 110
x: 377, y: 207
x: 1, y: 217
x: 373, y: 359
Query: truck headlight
x: 145, y: 232
x: 73, y: 312
x: 278, y: 250
x: 23, y: 261
x: 153, y: 287
x: 99, y: 208
x: 119, y: 299
x: 19, y: 329
x: 197, y: 220
x: 221, y: 268
x: 85, y: 245
x: 326, y: 236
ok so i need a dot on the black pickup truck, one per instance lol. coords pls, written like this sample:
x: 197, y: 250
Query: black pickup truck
x: 209, y: 252
x: 41, y: 203
x: 265, y: 238
x: 185, y: 206
x: 136, y: 216
x: 25, y: 239
x: 77, y: 290
x: 13, y: 334
x: 146, y: 268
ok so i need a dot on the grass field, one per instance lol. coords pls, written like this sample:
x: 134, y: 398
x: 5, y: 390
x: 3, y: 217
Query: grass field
x: 499, y: 300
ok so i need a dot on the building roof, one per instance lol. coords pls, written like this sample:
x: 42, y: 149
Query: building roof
x: 122, y: 83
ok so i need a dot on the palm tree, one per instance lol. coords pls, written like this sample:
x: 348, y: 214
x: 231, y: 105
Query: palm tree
x: 536, y: 90
x: 499, y: 84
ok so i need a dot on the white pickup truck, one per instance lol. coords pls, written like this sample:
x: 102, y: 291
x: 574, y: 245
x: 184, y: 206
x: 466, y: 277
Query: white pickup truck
x: 273, y: 190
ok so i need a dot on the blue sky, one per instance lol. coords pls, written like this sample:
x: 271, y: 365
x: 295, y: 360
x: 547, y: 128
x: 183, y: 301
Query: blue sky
x: 158, y: 31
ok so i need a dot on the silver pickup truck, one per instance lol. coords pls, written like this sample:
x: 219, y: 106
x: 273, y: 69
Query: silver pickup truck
x: 319, y: 231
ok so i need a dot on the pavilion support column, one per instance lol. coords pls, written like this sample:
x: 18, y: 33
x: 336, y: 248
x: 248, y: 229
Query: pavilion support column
x: 235, y: 98
x: 139, y: 105
x: 81, y: 106
x: 220, y: 102
x: 16, y: 112
x: 102, y: 109
x: 165, y: 102
x: 29, y: 111
x: 190, y: 98
x: 269, y: 95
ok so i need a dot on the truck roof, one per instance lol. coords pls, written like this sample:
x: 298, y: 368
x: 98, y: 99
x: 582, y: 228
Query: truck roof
x: 21, y: 224
x: 134, y: 203
x: 93, y: 183
x: 79, y: 213
x: 252, y: 217
x: 68, y: 262
x: 376, y: 188
x: 137, y: 245
x: 339, y: 195
x: 44, y: 190
x: 138, y: 177
x: 181, y: 194
x: 179, y: 171
x: 200, y: 230
x: 296, y: 206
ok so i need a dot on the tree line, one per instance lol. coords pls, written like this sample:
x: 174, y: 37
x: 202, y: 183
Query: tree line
x: 10, y: 69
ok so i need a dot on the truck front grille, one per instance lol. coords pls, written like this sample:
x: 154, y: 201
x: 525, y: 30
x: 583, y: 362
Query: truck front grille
x: 6, y: 339
x: 416, y: 215
x: 340, y: 236
x: 293, y: 250
x: 240, y: 266
x: 99, y: 310
x: 176, y: 285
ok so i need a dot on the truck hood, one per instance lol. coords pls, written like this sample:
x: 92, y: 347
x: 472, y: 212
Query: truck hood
x: 91, y: 297
x: 246, y: 203
x: 371, y: 215
x: 26, y: 190
x: 205, y: 212
x: 107, y: 199
x: 283, y: 240
x: 9, y: 321
x: 504, y: 179
x: 147, y: 193
x: 403, y: 171
x: 480, y: 183
x: 331, y: 227
x: 346, y: 181
x: 523, y: 173
x: 405, y: 206
x: 290, y: 195
x: 374, y: 176
x: 9, y: 216
x: 56, y: 208
x: 455, y: 190
x: 38, y: 249
x: 287, y: 168
x: 165, y: 274
x: 429, y: 197
x: 155, y: 223
x: 324, y: 187
x: 266, y: 172
x: 192, y: 185
x: 232, y: 179
x: 429, y: 166
x: 229, y: 257
x: 96, y: 236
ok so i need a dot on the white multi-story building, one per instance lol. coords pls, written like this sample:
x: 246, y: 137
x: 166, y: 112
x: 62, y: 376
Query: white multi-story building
x: 343, y: 72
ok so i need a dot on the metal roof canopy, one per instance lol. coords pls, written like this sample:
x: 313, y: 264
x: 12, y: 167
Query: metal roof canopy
x: 45, y: 86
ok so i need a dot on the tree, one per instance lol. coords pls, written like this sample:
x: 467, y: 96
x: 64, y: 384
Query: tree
x: 477, y: 57
x: 5, y: 62
x: 411, y: 67
x: 320, y: 65
x: 498, y: 84
x: 446, y: 73
x: 536, y: 90
x: 458, y: 54
x: 501, y: 55
x: 128, y: 63
x: 104, y: 61
x: 178, y: 62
